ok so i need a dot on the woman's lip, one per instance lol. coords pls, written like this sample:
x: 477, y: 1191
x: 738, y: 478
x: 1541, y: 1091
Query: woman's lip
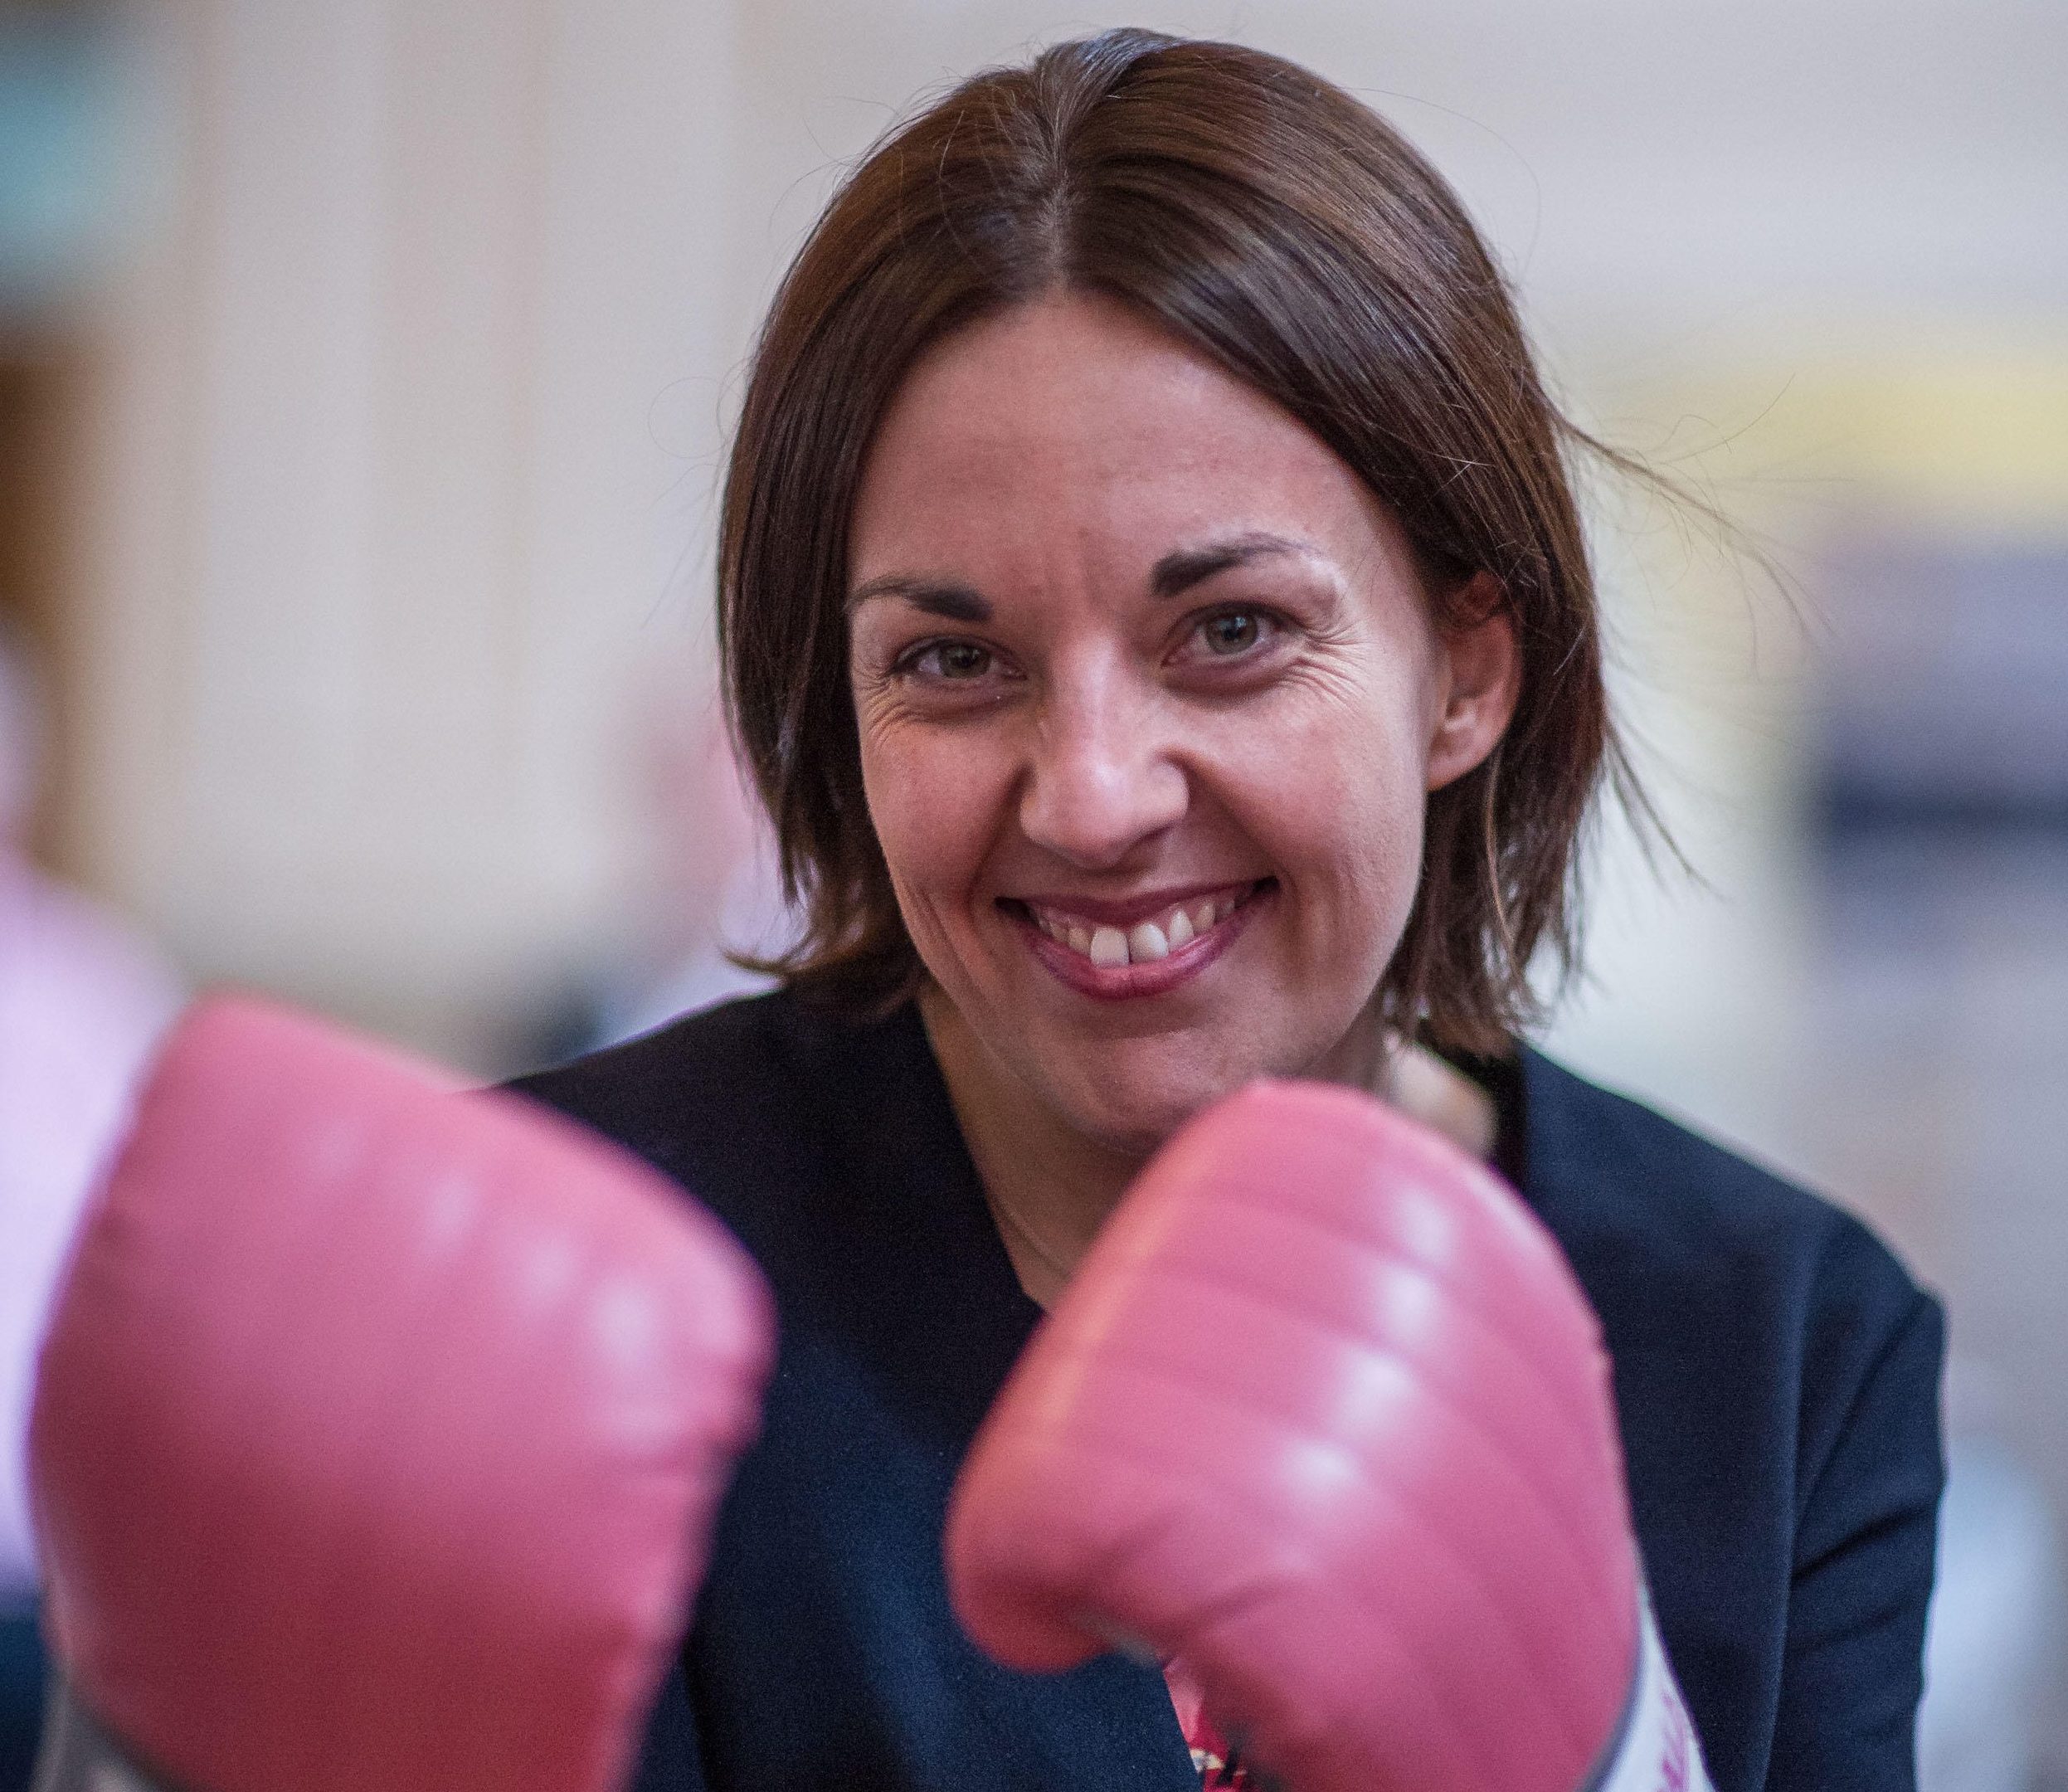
x: 1095, y: 911
x: 1125, y: 982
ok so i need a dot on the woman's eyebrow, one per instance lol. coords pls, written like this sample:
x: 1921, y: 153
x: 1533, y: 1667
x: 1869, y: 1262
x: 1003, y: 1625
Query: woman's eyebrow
x: 1176, y: 571
x: 954, y: 603
x: 1185, y: 567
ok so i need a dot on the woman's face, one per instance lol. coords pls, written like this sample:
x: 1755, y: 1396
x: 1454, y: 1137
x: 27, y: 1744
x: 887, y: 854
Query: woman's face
x: 1149, y: 697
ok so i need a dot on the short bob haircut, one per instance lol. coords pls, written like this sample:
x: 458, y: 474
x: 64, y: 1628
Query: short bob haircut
x: 1272, y: 224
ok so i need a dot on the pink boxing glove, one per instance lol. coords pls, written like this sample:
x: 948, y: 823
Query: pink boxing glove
x: 378, y: 1432
x: 1324, y: 1421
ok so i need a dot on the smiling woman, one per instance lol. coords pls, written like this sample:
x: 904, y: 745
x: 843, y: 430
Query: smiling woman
x: 1193, y: 674
x: 1153, y: 609
x: 1276, y: 234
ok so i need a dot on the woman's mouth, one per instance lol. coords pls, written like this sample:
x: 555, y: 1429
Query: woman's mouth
x: 1118, y: 952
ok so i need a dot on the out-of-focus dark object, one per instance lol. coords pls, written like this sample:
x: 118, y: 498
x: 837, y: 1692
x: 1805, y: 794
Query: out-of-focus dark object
x: 23, y: 1677
x: 1946, y: 714
x: 67, y: 185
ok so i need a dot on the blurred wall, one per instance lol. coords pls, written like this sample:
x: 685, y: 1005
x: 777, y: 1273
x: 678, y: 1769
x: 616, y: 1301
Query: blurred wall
x: 395, y: 480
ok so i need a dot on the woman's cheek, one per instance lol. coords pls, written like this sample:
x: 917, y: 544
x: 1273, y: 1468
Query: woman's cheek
x: 929, y: 790
x: 1345, y: 828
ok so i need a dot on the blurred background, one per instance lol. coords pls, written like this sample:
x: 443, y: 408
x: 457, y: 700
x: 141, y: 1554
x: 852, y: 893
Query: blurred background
x: 364, y: 372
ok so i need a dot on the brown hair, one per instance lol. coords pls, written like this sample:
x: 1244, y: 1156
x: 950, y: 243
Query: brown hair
x: 1271, y: 222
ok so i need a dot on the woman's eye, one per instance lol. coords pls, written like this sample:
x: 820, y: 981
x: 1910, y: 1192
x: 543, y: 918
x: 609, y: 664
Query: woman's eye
x: 953, y: 660
x: 1233, y: 631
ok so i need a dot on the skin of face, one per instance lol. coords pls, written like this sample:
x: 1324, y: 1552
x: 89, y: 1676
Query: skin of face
x: 1123, y: 629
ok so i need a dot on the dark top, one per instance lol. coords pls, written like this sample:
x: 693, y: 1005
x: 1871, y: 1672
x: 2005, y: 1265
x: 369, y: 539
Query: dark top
x: 1776, y: 1374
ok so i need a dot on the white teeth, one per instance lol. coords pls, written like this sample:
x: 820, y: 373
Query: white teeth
x: 1146, y: 943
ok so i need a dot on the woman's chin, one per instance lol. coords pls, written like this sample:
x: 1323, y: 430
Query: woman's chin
x: 1132, y: 1110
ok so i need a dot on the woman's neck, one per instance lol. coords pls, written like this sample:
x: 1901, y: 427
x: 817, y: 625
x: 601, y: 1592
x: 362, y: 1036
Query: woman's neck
x: 1050, y: 1189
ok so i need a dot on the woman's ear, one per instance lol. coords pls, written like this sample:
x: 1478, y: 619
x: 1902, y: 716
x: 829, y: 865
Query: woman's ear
x: 1480, y: 663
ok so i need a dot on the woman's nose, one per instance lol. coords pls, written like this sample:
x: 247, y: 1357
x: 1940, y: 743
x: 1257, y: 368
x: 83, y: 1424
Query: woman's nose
x: 1103, y: 777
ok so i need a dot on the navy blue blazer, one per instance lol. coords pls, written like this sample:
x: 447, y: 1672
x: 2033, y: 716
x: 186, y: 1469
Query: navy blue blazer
x: 1776, y: 1373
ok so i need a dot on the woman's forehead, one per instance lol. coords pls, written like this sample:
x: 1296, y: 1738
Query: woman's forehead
x: 1070, y: 419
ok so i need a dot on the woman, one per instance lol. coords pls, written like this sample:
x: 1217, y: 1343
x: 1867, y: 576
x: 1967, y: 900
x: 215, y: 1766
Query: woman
x: 1153, y: 607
